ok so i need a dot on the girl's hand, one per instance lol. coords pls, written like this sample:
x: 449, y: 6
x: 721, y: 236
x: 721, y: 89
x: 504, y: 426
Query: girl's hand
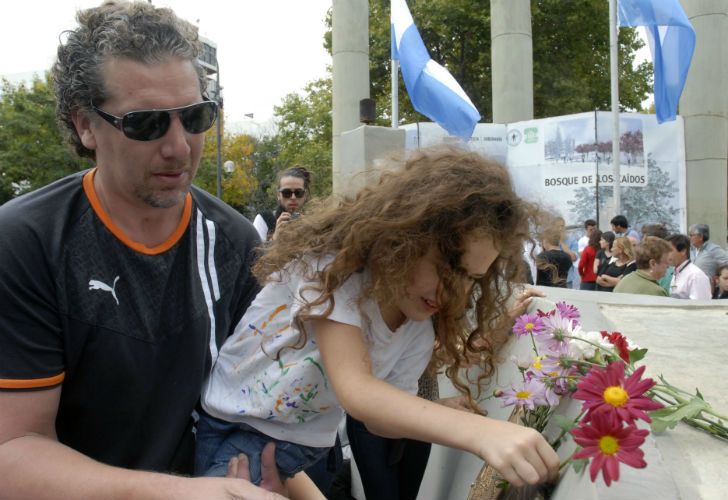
x: 523, y: 300
x: 520, y: 454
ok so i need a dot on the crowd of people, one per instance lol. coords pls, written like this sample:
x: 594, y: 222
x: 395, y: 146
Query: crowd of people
x: 622, y: 260
x: 152, y: 346
x: 156, y: 344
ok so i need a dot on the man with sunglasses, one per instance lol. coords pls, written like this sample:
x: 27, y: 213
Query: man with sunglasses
x: 293, y: 188
x: 119, y: 284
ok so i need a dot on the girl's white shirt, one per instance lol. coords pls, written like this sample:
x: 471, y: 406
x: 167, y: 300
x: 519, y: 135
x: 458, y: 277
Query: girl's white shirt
x: 292, y: 399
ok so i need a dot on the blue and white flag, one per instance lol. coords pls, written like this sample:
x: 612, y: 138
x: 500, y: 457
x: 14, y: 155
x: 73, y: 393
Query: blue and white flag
x: 672, y: 42
x: 432, y: 89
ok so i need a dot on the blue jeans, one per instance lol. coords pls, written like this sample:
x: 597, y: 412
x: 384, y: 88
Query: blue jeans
x: 218, y: 441
x: 390, y: 469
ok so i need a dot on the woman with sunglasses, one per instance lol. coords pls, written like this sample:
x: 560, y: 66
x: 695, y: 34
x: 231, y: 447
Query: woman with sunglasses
x: 293, y: 189
x: 359, y: 298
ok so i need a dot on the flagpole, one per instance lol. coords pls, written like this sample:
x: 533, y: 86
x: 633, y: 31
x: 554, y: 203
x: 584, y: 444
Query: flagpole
x: 614, y: 78
x: 395, y: 93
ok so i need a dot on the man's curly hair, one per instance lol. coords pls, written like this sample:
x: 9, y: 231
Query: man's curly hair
x: 132, y: 30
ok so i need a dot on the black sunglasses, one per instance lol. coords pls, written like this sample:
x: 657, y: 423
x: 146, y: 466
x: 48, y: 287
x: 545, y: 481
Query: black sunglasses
x: 286, y: 193
x: 151, y: 124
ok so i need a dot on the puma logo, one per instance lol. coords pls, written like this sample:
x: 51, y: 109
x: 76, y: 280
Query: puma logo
x: 99, y: 285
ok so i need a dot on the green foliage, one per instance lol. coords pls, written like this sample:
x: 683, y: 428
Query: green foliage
x: 670, y: 416
x: 563, y: 422
x: 239, y: 185
x: 304, y: 133
x: 266, y: 165
x: 32, y: 150
x: 636, y: 355
x: 570, y: 55
x: 571, y: 59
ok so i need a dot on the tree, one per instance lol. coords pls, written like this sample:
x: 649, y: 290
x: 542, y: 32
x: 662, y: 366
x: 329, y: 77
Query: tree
x: 570, y: 55
x: 651, y: 203
x: 239, y: 185
x: 32, y: 151
x: 266, y: 165
x: 304, y: 133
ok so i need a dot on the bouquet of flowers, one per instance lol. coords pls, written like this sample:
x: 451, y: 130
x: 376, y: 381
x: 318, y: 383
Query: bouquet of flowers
x: 600, y: 369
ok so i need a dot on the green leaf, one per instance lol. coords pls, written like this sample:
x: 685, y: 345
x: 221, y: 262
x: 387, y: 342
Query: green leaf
x: 697, y: 393
x: 637, y: 355
x: 580, y: 464
x: 669, y: 417
x: 564, y: 423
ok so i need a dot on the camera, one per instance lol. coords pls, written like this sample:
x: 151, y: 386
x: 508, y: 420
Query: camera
x: 295, y: 215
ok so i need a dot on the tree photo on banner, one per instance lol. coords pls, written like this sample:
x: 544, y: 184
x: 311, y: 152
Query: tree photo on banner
x: 559, y: 161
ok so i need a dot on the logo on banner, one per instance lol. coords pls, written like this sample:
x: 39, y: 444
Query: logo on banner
x: 531, y: 135
x: 514, y: 137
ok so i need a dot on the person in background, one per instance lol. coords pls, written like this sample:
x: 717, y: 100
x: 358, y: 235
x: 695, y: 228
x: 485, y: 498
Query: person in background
x: 604, y: 255
x: 568, y: 244
x: 587, y: 262
x: 660, y: 231
x: 652, y: 261
x: 622, y: 265
x: 621, y: 227
x: 688, y: 280
x: 293, y: 192
x: 553, y: 263
x: 590, y: 225
x: 704, y: 253
x: 119, y: 284
x: 721, y: 279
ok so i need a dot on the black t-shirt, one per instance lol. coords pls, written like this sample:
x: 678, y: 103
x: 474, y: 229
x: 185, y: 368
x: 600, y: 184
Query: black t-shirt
x: 614, y: 270
x: 129, y: 331
x: 558, y: 259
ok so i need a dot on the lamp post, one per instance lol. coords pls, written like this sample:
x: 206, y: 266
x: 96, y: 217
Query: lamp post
x: 219, y: 128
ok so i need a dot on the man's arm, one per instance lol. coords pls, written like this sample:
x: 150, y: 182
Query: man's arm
x: 34, y: 465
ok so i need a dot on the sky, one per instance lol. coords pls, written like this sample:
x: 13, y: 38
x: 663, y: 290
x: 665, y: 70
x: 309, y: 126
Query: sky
x: 266, y: 48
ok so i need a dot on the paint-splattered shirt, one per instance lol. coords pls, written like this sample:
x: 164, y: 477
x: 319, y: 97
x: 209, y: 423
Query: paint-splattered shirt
x: 291, y: 399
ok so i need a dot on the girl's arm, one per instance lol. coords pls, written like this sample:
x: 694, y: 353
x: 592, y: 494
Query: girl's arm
x: 520, y: 454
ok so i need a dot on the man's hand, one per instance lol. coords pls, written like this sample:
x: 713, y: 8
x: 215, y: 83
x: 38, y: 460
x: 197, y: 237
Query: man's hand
x: 238, y: 467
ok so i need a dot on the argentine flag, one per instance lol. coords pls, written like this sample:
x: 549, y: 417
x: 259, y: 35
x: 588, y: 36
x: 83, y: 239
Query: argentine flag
x: 432, y: 89
x: 672, y: 41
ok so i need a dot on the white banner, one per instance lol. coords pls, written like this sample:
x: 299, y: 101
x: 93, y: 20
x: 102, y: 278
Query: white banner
x: 565, y: 163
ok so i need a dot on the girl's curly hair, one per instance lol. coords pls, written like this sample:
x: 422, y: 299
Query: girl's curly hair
x: 436, y: 197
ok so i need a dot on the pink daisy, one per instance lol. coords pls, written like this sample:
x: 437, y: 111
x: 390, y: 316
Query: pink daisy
x: 528, y: 324
x: 607, y: 391
x: 555, y: 332
x: 568, y: 311
x: 607, y: 443
x: 531, y: 394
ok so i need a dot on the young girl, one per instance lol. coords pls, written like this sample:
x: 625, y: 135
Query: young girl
x: 587, y: 261
x: 356, y: 297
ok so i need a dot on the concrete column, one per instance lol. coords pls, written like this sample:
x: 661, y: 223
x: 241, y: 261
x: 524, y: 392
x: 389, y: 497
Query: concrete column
x: 511, y: 60
x: 365, y: 147
x: 350, y: 44
x: 704, y: 106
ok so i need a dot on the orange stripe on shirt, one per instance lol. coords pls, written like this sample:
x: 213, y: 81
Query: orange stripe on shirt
x: 31, y: 383
x: 88, y: 187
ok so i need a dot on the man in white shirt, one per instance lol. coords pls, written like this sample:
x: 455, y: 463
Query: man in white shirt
x: 590, y: 225
x: 688, y: 280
